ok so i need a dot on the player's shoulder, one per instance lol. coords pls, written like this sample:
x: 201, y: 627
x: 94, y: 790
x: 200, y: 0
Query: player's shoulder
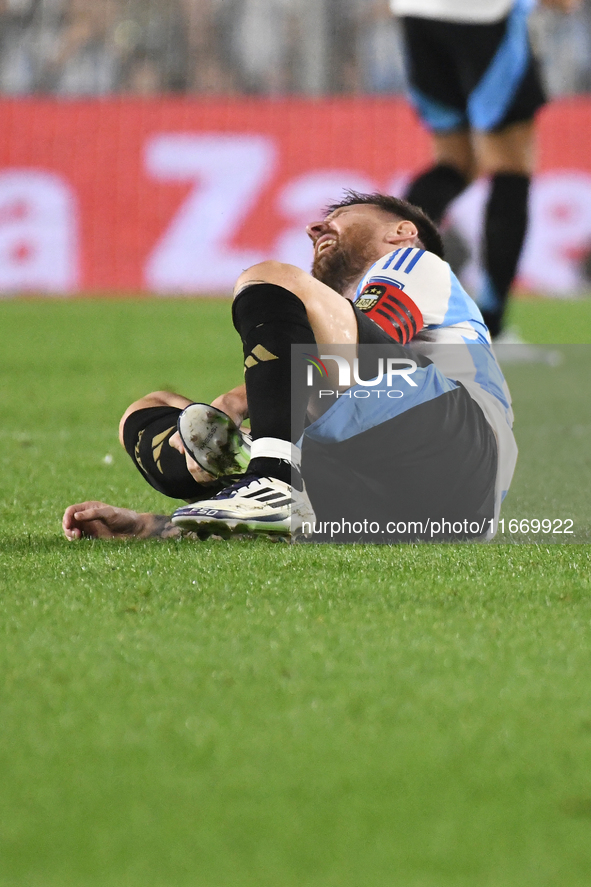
x: 414, y: 270
x: 411, y: 260
x: 409, y: 268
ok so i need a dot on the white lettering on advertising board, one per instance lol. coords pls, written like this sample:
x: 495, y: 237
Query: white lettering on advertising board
x: 227, y: 175
x: 38, y: 232
x: 229, y: 172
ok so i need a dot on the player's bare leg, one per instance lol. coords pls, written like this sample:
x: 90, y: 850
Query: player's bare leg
x: 511, y: 150
x: 455, y: 149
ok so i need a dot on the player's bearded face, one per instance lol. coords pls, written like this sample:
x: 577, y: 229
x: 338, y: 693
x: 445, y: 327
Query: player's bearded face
x: 344, y: 262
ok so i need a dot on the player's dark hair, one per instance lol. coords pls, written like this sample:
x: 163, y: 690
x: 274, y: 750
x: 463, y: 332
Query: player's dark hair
x: 429, y: 236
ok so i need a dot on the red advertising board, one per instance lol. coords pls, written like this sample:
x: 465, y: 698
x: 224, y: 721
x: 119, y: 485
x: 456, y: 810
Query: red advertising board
x: 178, y: 195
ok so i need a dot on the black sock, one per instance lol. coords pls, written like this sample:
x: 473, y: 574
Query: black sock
x: 504, y: 232
x: 266, y: 466
x: 270, y: 319
x: 435, y: 189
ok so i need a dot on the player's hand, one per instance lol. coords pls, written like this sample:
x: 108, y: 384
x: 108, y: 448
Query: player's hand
x: 97, y: 520
x: 195, y: 470
x: 233, y: 404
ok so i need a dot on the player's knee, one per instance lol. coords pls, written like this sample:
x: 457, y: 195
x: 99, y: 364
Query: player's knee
x: 132, y: 408
x: 154, y: 399
x: 128, y: 412
x: 277, y: 273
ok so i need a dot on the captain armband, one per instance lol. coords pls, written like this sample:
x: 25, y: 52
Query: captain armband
x: 391, y: 309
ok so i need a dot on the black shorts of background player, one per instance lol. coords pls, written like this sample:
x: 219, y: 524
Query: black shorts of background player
x: 475, y: 84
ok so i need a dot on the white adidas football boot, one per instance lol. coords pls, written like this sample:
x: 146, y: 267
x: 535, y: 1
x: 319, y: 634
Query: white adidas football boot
x: 253, y: 505
x: 213, y: 440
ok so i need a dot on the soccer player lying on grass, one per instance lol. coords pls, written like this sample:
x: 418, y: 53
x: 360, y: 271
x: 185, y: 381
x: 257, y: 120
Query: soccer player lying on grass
x: 442, y: 452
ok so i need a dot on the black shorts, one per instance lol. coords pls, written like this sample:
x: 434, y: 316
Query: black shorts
x: 428, y: 474
x: 146, y: 435
x: 482, y: 76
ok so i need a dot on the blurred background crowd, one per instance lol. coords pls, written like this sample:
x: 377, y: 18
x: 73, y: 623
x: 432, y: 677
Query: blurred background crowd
x: 225, y: 47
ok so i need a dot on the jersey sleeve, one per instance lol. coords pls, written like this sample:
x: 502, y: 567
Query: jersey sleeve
x: 406, y: 291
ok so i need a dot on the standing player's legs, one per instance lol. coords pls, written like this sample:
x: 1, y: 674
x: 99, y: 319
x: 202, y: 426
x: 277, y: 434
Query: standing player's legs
x: 502, y: 107
x: 483, y: 77
x: 439, y: 185
x: 438, y: 95
x: 507, y: 157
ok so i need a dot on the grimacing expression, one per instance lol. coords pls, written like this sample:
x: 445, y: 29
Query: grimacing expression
x: 346, y: 243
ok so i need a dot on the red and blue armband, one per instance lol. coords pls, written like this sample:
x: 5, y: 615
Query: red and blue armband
x: 391, y: 309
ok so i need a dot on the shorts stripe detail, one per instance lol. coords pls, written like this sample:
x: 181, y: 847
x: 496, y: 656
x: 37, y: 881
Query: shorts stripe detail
x: 437, y: 116
x: 489, y: 101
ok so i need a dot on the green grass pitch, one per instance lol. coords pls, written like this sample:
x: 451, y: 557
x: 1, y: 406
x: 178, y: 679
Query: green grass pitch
x: 250, y: 714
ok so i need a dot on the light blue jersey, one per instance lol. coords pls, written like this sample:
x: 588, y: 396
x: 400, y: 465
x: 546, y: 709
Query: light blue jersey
x: 443, y: 314
x: 415, y: 297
